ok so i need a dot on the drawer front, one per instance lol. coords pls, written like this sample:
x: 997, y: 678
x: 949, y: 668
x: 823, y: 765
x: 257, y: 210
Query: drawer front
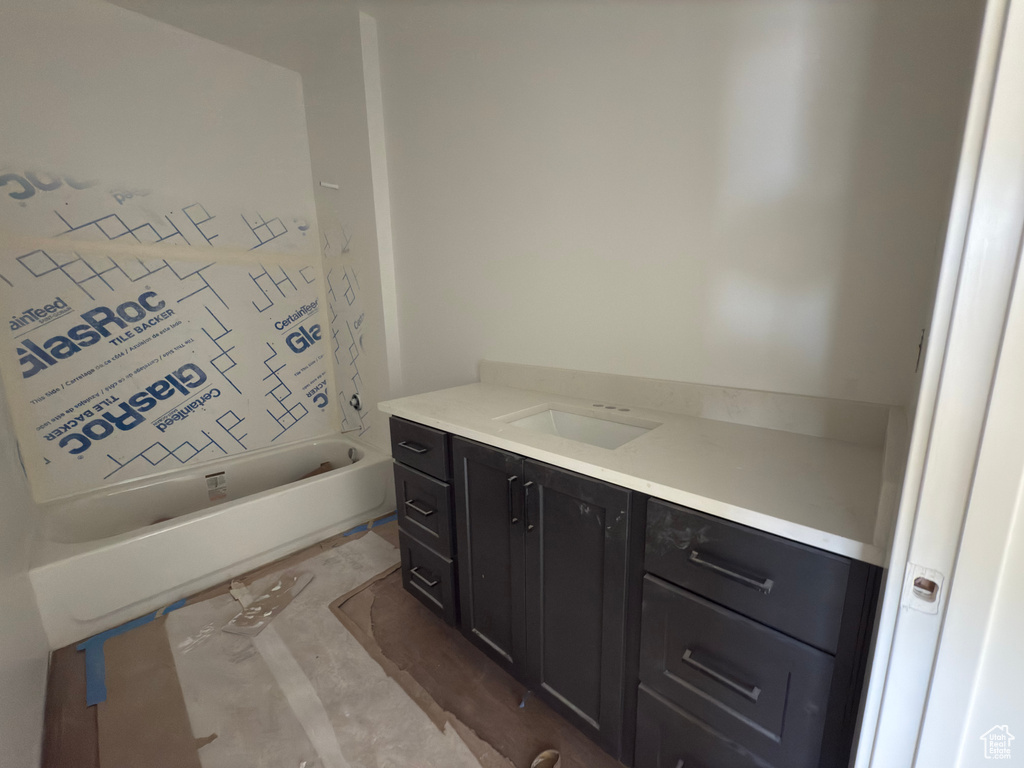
x: 669, y: 737
x: 791, y: 587
x: 429, y: 577
x: 755, y: 686
x: 424, y: 508
x: 420, y: 447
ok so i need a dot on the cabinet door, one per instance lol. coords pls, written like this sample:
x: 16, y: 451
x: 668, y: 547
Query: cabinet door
x: 577, y: 531
x: 489, y: 536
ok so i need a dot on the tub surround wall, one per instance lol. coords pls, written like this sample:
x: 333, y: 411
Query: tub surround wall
x: 218, y: 359
x: 321, y: 41
x: 160, y: 262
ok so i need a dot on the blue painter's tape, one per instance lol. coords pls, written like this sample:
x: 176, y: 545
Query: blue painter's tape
x: 373, y: 524
x: 95, y: 664
x: 389, y: 519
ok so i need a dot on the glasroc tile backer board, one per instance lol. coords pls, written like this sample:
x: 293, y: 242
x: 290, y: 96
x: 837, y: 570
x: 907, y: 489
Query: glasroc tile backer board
x: 161, y: 273
x: 117, y: 365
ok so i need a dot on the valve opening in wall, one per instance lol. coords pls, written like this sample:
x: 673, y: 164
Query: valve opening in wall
x: 217, y: 486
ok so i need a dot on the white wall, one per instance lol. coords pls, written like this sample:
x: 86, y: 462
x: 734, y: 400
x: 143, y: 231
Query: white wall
x: 738, y: 193
x: 23, y: 647
x: 320, y: 41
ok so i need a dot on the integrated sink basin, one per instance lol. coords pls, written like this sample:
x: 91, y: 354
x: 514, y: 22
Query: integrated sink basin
x: 593, y: 430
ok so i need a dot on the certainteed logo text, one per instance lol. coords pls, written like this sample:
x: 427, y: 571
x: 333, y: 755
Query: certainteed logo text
x: 34, y: 317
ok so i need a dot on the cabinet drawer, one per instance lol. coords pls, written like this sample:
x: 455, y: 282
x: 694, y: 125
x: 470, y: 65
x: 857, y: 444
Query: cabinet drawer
x: 422, y: 448
x: 755, y: 686
x: 428, y: 576
x: 669, y: 737
x: 424, y: 508
x: 794, y: 588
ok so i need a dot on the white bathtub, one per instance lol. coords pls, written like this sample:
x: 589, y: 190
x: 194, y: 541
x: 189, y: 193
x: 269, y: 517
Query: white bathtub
x: 102, y: 558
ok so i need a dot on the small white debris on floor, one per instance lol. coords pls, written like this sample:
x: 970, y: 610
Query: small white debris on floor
x: 257, y: 612
x: 189, y: 643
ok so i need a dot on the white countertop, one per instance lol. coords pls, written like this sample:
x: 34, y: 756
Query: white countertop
x: 818, y: 491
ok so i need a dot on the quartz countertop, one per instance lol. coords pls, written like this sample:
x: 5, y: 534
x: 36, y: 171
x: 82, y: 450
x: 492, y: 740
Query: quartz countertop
x: 818, y: 491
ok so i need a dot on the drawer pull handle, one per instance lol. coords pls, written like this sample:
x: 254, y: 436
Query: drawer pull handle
x: 415, y: 571
x: 417, y: 508
x: 761, y: 585
x: 409, y: 445
x: 511, y: 500
x: 750, y: 692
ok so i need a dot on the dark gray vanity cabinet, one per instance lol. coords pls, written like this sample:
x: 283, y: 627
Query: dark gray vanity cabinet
x: 584, y: 553
x: 548, y: 560
x: 753, y: 647
x: 490, y: 538
x: 669, y: 636
x: 423, y: 495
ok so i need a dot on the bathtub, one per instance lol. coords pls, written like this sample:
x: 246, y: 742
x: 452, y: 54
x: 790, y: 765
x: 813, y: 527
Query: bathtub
x: 106, y: 557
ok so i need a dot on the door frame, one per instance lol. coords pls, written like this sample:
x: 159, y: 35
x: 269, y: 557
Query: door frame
x: 983, y: 568
x: 977, y: 273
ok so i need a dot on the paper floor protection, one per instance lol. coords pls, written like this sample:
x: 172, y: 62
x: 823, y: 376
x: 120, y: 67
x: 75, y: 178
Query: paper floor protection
x: 303, y: 691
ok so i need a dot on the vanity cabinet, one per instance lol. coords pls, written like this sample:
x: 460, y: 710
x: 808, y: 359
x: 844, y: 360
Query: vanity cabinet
x: 547, y: 562
x: 423, y: 496
x: 490, y: 539
x: 669, y: 636
x: 753, y: 647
